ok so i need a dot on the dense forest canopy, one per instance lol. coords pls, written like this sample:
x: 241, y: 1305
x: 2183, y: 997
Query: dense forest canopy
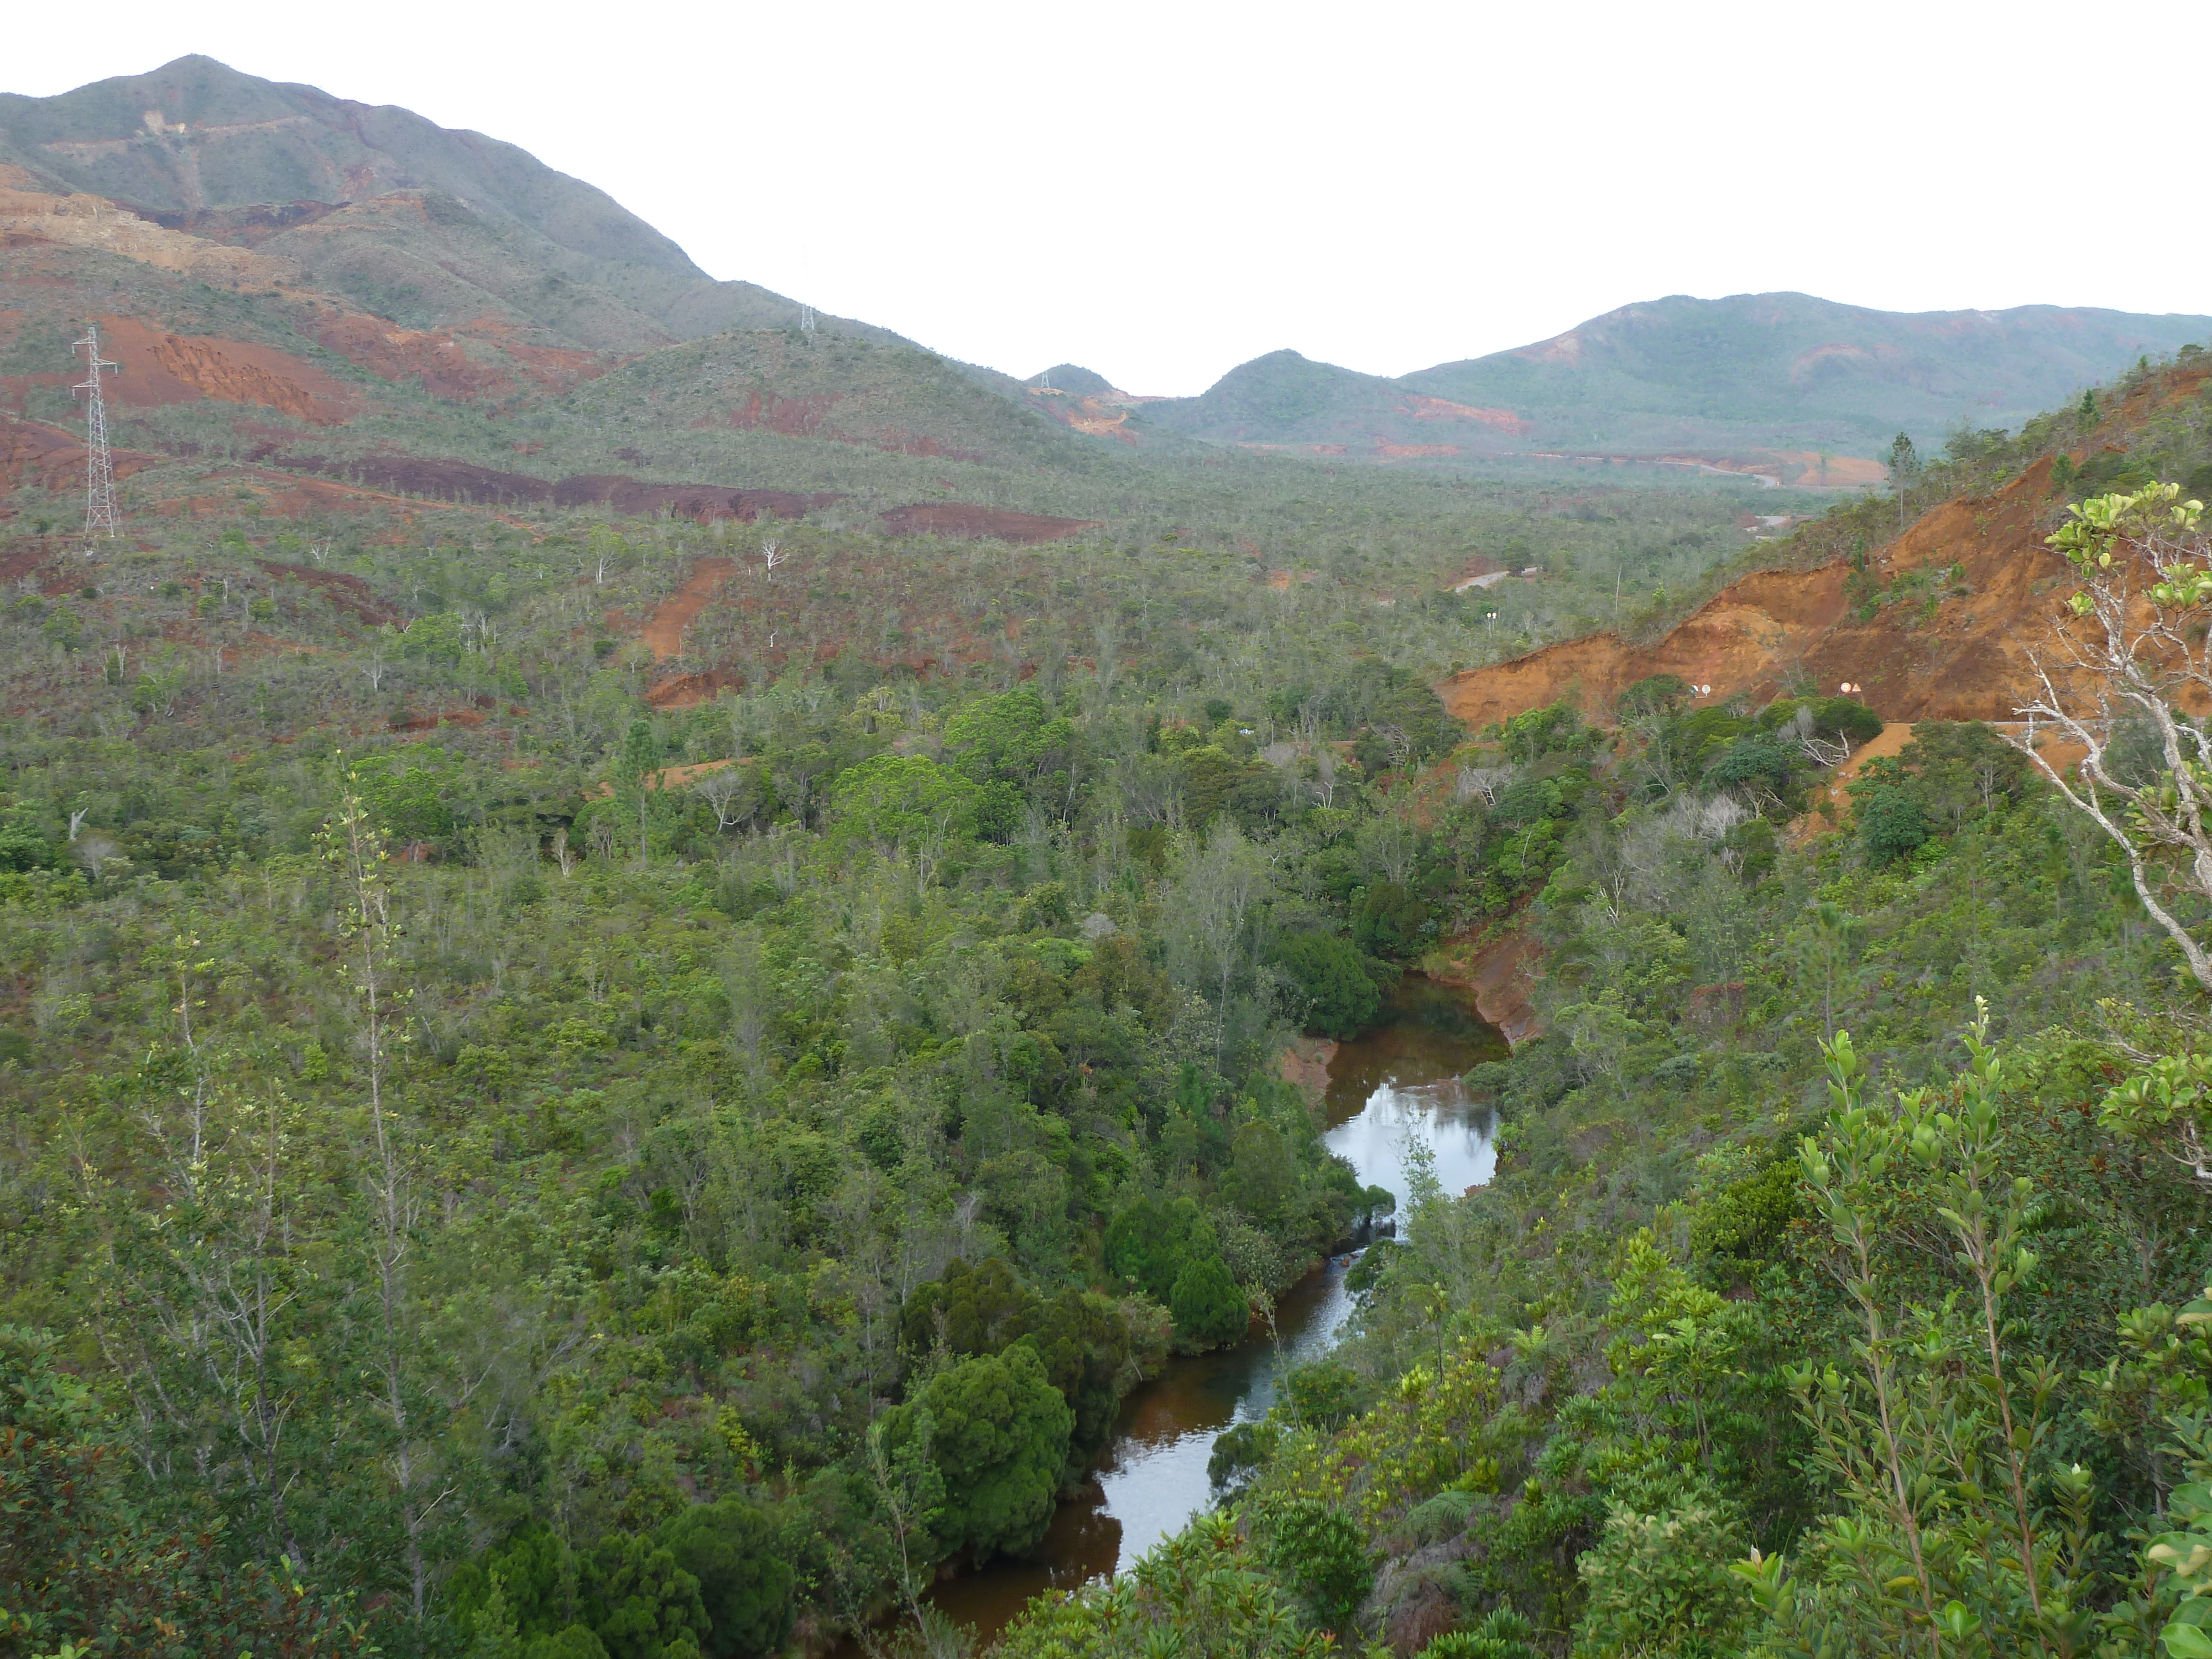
x: 502, y: 1159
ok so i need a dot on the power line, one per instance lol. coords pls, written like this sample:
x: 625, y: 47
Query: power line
x: 98, y: 475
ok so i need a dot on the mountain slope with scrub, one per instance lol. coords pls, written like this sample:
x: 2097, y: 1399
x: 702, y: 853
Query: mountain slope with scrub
x: 1796, y: 382
x: 426, y: 226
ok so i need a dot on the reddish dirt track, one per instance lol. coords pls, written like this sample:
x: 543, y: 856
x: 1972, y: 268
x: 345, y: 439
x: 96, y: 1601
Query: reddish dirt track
x: 664, y: 629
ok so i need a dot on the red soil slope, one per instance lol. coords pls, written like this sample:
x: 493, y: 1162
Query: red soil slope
x: 1967, y: 662
x: 33, y: 452
x: 159, y: 368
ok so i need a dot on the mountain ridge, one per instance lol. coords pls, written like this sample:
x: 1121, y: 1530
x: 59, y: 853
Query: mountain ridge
x: 1741, y: 375
x: 172, y: 146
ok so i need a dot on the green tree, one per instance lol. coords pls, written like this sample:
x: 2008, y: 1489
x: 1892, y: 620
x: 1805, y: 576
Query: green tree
x: 997, y: 1432
x: 1210, y: 1311
x: 1148, y: 1243
x: 635, y: 769
x: 745, y: 1578
x: 639, y: 1602
x: 1389, y: 919
x: 1891, y: 823
x: 906, y: 803
x: 1903, y: 469
x: 1262, y: 1175
x: 1340, y: 994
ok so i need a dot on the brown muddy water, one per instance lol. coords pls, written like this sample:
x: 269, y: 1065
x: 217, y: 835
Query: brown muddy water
x: 1388, y: 1088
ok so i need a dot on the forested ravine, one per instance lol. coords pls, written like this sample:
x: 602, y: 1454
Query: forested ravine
x: 1394, y: 1088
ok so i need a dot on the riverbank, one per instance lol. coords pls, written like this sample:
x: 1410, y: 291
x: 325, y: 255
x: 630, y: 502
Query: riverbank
x: 1381, y: 1092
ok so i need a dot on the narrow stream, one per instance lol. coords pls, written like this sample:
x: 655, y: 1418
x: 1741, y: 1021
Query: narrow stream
x: 1388, y: 1087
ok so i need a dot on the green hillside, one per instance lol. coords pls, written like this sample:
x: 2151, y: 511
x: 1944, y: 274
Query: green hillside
x: 1750, y: 372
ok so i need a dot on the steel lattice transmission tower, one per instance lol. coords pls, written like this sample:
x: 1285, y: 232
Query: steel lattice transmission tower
x: 806, y: 321
x: 99, y: 476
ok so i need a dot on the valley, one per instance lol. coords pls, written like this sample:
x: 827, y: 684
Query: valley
x: 679, y: 979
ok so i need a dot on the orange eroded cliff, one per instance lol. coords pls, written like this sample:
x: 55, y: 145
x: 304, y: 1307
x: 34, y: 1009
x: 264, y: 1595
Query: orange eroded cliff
x: 1964, y: 656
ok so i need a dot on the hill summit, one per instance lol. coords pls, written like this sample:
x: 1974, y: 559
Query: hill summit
x: 406, y: 219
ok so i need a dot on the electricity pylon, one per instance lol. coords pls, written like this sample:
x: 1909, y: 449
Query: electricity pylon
x: 99, y: 476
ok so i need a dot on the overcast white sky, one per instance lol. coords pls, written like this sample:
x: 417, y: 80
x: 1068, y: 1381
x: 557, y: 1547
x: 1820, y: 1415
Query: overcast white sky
x: 1162, y: 191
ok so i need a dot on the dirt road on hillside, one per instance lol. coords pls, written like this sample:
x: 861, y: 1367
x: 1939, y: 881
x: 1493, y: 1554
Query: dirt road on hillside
x: 664, y: 629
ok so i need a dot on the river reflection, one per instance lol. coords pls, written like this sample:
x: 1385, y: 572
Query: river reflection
x: 1389, y: 1089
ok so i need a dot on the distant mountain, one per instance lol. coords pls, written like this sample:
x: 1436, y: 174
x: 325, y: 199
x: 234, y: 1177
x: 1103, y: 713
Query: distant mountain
x: 1753, y: 374
x: 411, y: 222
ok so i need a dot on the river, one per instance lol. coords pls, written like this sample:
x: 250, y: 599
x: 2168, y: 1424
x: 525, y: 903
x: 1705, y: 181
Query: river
x: 1390, y: 1086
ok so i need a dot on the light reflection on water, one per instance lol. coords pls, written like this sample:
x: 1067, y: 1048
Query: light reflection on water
x: 1389, y: 1089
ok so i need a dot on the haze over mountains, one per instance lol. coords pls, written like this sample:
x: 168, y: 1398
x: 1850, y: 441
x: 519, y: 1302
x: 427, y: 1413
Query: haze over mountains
x: 460, y: 262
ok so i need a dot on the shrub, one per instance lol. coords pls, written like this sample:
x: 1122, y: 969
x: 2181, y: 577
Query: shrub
x: 1321, y: 1554
x: 1503, y: 1634
x: 1660, y: 1588
x: 1891, y: 823
x: 1745, y: 1219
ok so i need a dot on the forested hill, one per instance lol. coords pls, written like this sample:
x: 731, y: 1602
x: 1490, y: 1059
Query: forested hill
x: 1787, y: 375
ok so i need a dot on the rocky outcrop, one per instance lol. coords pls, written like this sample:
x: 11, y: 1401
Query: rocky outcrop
x: 1498, y: 969
x: 94, y: 221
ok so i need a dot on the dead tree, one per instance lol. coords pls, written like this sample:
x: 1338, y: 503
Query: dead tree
x: 2132, y: 652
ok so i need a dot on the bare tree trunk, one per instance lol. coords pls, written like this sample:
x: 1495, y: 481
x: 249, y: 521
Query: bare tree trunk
x: 363, y: 846
x: 2133, y: 649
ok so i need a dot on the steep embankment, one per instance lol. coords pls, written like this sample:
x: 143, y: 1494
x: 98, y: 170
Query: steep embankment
x: 1949, y: 649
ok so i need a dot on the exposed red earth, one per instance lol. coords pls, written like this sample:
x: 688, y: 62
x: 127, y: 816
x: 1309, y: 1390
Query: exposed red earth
x: 160, y: 368
x: 348, y: 593
x: 664, y: 629
x: 1966, y: 659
